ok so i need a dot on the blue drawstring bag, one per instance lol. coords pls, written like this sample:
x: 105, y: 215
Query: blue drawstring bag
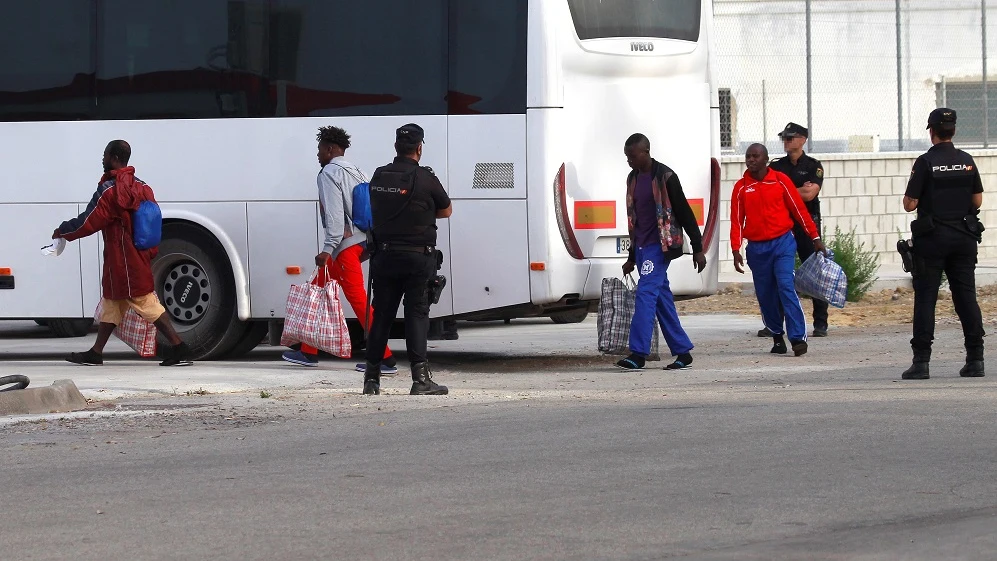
x: 147, y: 225
x: 362, y: 216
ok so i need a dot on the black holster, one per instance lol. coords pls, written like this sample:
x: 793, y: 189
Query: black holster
x: 975, y: 226
x: 437, y: 282
x: 911, y: 263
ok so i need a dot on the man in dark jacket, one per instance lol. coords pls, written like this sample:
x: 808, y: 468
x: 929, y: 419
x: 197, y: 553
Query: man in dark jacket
x: 657, y: 212
x: 127, y: 276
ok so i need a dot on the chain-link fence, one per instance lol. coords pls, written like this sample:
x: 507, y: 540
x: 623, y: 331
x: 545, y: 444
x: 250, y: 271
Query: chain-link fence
x: 854, y: 70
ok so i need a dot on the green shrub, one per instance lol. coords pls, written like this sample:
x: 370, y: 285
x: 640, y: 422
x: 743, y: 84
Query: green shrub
x: 860, y: 265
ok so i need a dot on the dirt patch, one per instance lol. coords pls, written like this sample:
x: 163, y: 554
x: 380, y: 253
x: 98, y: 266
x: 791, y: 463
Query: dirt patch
x: 887, y: 307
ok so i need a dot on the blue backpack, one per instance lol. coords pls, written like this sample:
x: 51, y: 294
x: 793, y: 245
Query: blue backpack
x: 363, y: 219
x: 147, y: 225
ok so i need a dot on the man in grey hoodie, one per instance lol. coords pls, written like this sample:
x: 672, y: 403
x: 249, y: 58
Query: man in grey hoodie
x: 343, y: 244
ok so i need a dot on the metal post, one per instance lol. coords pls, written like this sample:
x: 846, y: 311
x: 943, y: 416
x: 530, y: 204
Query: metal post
x: 986, y: 103
x: 907, y: 58
x: 810, y: 88
x: 765, y: 115
x: 900, y: 91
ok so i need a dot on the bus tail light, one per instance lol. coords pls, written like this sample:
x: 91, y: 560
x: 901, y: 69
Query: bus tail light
x: 713, y: 214
x: 561, y: 212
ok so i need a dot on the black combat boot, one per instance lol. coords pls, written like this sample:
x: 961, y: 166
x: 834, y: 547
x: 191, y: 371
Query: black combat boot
x: 372, y: 380
x: 779, y: 345
x: 919, y: 368
x: 422, y: 381
x: 973, y: 369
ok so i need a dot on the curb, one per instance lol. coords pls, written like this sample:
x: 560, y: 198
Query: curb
x: 61, y: 397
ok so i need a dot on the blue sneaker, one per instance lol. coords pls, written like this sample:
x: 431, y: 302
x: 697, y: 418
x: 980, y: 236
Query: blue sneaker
x: 385, y: 369
x: 299, y: 358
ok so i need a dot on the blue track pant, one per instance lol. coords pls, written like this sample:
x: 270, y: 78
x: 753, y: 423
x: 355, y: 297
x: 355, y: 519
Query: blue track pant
x: 772, y: 263
x: 655, y: 301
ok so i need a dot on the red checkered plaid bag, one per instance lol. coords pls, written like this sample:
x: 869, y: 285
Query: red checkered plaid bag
x: 315, y: 317
x: 137, y: 333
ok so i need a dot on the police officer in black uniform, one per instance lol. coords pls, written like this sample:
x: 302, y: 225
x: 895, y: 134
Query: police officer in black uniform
x: 808, y: 176
x: 946, y: 190
x: 406, y: 199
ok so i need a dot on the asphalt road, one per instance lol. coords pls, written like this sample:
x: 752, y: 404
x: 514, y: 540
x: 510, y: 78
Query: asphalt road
x: 540, y: 452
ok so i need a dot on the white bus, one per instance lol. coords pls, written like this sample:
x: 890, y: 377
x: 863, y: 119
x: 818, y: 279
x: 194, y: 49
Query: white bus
x: 526, y: 106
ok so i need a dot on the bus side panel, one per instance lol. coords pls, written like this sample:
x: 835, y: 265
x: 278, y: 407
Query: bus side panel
x: 44, y: 286
x: 562, y: 274
x: 490, y: 254
x: 483, y: 163
x: 281, y: 235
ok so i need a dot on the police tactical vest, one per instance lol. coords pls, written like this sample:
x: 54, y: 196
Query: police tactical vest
x: 402, y: 211
x: 950, y: 193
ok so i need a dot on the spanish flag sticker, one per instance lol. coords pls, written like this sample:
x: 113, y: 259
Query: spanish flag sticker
x: 595, y: 215
x: 697, y: 209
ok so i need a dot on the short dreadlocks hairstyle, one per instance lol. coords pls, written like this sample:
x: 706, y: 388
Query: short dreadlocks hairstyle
x: 333, y: 135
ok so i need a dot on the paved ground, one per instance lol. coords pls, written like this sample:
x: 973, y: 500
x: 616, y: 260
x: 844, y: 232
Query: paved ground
x: 540, y: 452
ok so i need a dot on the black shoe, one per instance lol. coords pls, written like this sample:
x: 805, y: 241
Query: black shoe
x: 632, y: 362
x: 917, y: 371
x: 973, y: 369
x: 370, y: 387
x: 88, y: 358
x: 422, y: 381
x: 764, y: 332
x: 372, y: 379
x: 820, y: 332
x: 176, y: 356
x: 799, y: 347
x: 682, y: 362
x: 779, y: 348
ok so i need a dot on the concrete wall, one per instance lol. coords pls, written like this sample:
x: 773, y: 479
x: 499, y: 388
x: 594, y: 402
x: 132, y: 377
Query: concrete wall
x: 865, y: 192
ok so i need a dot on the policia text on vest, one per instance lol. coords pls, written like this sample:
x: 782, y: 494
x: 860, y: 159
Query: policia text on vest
x: 406, y: 199
x: 946, y: 191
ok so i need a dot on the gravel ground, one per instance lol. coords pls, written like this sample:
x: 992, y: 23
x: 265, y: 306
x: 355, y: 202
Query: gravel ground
x: 888, y: 307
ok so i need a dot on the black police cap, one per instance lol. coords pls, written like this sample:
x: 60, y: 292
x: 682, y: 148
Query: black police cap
x: 410, y: 133
x: 941, y: 115
x: 793, y: 130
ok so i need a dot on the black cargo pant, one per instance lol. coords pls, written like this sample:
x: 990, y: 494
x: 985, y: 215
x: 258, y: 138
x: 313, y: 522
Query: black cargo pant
x: 805, y: 248
x: 953, y: 252
x: 396, y: 274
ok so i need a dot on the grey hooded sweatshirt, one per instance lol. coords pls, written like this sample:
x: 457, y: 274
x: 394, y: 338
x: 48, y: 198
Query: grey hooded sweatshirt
x: 335, y: 196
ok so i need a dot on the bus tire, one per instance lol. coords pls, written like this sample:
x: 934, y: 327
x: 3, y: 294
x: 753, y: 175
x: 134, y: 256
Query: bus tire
x: 194, y: 282
x: 577, y: 315
x: 17, y: 382
x: 254, y: 335
x: 70, y: 327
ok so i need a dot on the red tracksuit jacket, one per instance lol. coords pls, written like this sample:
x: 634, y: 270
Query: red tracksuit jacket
x: 764, y: 210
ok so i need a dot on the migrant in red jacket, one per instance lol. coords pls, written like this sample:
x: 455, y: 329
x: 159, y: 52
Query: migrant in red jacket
x: 765, y: 210
x: 127, y: 269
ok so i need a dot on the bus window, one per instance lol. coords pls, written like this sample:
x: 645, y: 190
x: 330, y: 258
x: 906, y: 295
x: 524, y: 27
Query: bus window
x: 665, y: 19
x: 47, y: 77
x: 487, y: 57
x: 183, y: 59
x: 375, y: 57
